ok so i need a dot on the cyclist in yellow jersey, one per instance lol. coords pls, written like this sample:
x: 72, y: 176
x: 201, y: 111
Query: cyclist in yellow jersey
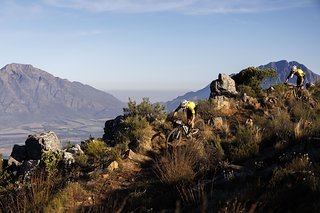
x: 190, y: 108
x: 300, y: 76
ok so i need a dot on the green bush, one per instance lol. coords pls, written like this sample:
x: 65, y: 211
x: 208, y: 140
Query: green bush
x: 207, y: 109
x: 98, y: 152
x: 253, y: 77
x: 246, y: 89
x: 279, y: 127
x: 151, y: 112
x: 246, y: 143
x: 51, y: 160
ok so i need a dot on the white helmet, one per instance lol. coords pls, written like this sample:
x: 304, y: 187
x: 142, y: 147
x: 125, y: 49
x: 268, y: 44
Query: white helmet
x: 294, y: 68
x: 183, y: 103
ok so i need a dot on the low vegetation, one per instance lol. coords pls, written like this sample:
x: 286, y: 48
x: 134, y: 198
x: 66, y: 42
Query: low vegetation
x: 251, y: 157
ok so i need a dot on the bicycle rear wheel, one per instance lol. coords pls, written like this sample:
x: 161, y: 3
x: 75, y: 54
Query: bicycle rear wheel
x: 158, y: 140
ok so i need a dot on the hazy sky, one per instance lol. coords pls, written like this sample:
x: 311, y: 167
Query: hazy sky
x: 157, y: 44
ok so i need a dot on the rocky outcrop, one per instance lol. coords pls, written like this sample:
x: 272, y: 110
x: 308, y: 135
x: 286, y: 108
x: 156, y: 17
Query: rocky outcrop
x: 112, y: 127
x: 26, y: 158
x: 38, y: 143
x: 224, y: 86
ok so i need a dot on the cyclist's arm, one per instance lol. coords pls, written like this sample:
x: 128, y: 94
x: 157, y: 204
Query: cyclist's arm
x: 290, y: 75
x: 176, y: 111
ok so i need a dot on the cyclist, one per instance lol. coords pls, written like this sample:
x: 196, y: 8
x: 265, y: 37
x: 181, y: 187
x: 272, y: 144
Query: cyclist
x: 190, y: 108
x: 300, y: 76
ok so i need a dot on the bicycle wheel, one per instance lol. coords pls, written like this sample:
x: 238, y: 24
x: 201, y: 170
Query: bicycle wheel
x: 158, y: 140
x: 174, y: 136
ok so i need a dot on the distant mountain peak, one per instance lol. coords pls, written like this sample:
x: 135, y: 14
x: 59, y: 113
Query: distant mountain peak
x: 17, y: 66
x: 27, y: 91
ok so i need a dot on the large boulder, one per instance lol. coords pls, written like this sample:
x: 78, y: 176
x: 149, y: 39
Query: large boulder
x: 36, y: 144
x: 112, y: 127
x: 18, y: 155
x: 223, y: 86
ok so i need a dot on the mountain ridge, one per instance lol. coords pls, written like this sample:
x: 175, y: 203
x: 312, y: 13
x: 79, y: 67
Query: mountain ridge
x: 282, y: 68
x: 31, y: 92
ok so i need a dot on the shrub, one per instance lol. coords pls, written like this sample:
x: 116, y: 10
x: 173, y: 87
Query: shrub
x: 99, y: 153
x: 176, y: 166
x: 247, y: 89
x: 33, y: 197
x: 139, y: 132
x: 246, y: 143
x: 151, y: 112
x: 69, y: 199
x: 51, y: 160
x: 279, y: 127
x: 207, y: 109
x: 316, y: 91
x: 253, y: 78
x: 300, y: 169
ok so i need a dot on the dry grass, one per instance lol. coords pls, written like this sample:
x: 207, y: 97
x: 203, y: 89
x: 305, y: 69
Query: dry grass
x: 69, y: 199
x: 32, y: 197
x: 176, y: 166
x: 302, y: 129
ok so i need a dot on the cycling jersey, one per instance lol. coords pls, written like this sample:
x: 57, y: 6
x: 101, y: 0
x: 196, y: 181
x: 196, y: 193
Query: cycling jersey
x: 191, y: 107
x: 299, y: 73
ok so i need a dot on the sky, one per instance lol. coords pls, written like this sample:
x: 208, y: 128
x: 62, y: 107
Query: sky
x: 166, y: 45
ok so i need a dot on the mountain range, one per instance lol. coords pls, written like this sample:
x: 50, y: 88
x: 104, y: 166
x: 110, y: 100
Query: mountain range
x: 35, y: 95
x: 282, y: 69
x: 34, y: 101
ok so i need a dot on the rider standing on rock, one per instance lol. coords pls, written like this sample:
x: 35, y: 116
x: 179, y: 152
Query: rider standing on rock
x: 190, y: 108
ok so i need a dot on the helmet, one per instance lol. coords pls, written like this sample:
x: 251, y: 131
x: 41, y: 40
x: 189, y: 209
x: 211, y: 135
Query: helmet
x: 294, y: 68
x: 183, y: 103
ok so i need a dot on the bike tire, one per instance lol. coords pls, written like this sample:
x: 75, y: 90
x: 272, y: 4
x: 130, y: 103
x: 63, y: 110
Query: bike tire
x: 174, y: 136
x: 159, y: 140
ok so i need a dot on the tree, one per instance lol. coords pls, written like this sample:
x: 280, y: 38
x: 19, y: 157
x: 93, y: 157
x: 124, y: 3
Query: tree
x: 250, y: 79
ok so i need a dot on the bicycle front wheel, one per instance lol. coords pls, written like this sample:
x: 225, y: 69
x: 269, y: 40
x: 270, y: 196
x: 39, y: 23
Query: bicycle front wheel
x: 174, y: 136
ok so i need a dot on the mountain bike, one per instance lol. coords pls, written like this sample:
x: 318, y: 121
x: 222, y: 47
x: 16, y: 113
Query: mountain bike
x: 294, y: 90
x: 181, y: 130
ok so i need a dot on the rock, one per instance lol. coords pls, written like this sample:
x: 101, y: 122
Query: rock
x: 224, y: 86
x: 14, y: 162
x: 76, y: 149
x: 36, y: 144
x: 217, y: 122
x: 27, y: 167
x: 68, y: 158
x: 221, y: 102
x: 18, y: 155
x: 113, y: 166
x: 112, y: 127
x: 250, y: 101
x: 249, y: 122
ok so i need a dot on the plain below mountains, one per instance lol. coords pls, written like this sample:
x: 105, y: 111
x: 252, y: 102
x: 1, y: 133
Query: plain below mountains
x: 282, y: 69
x: 32, y: 101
